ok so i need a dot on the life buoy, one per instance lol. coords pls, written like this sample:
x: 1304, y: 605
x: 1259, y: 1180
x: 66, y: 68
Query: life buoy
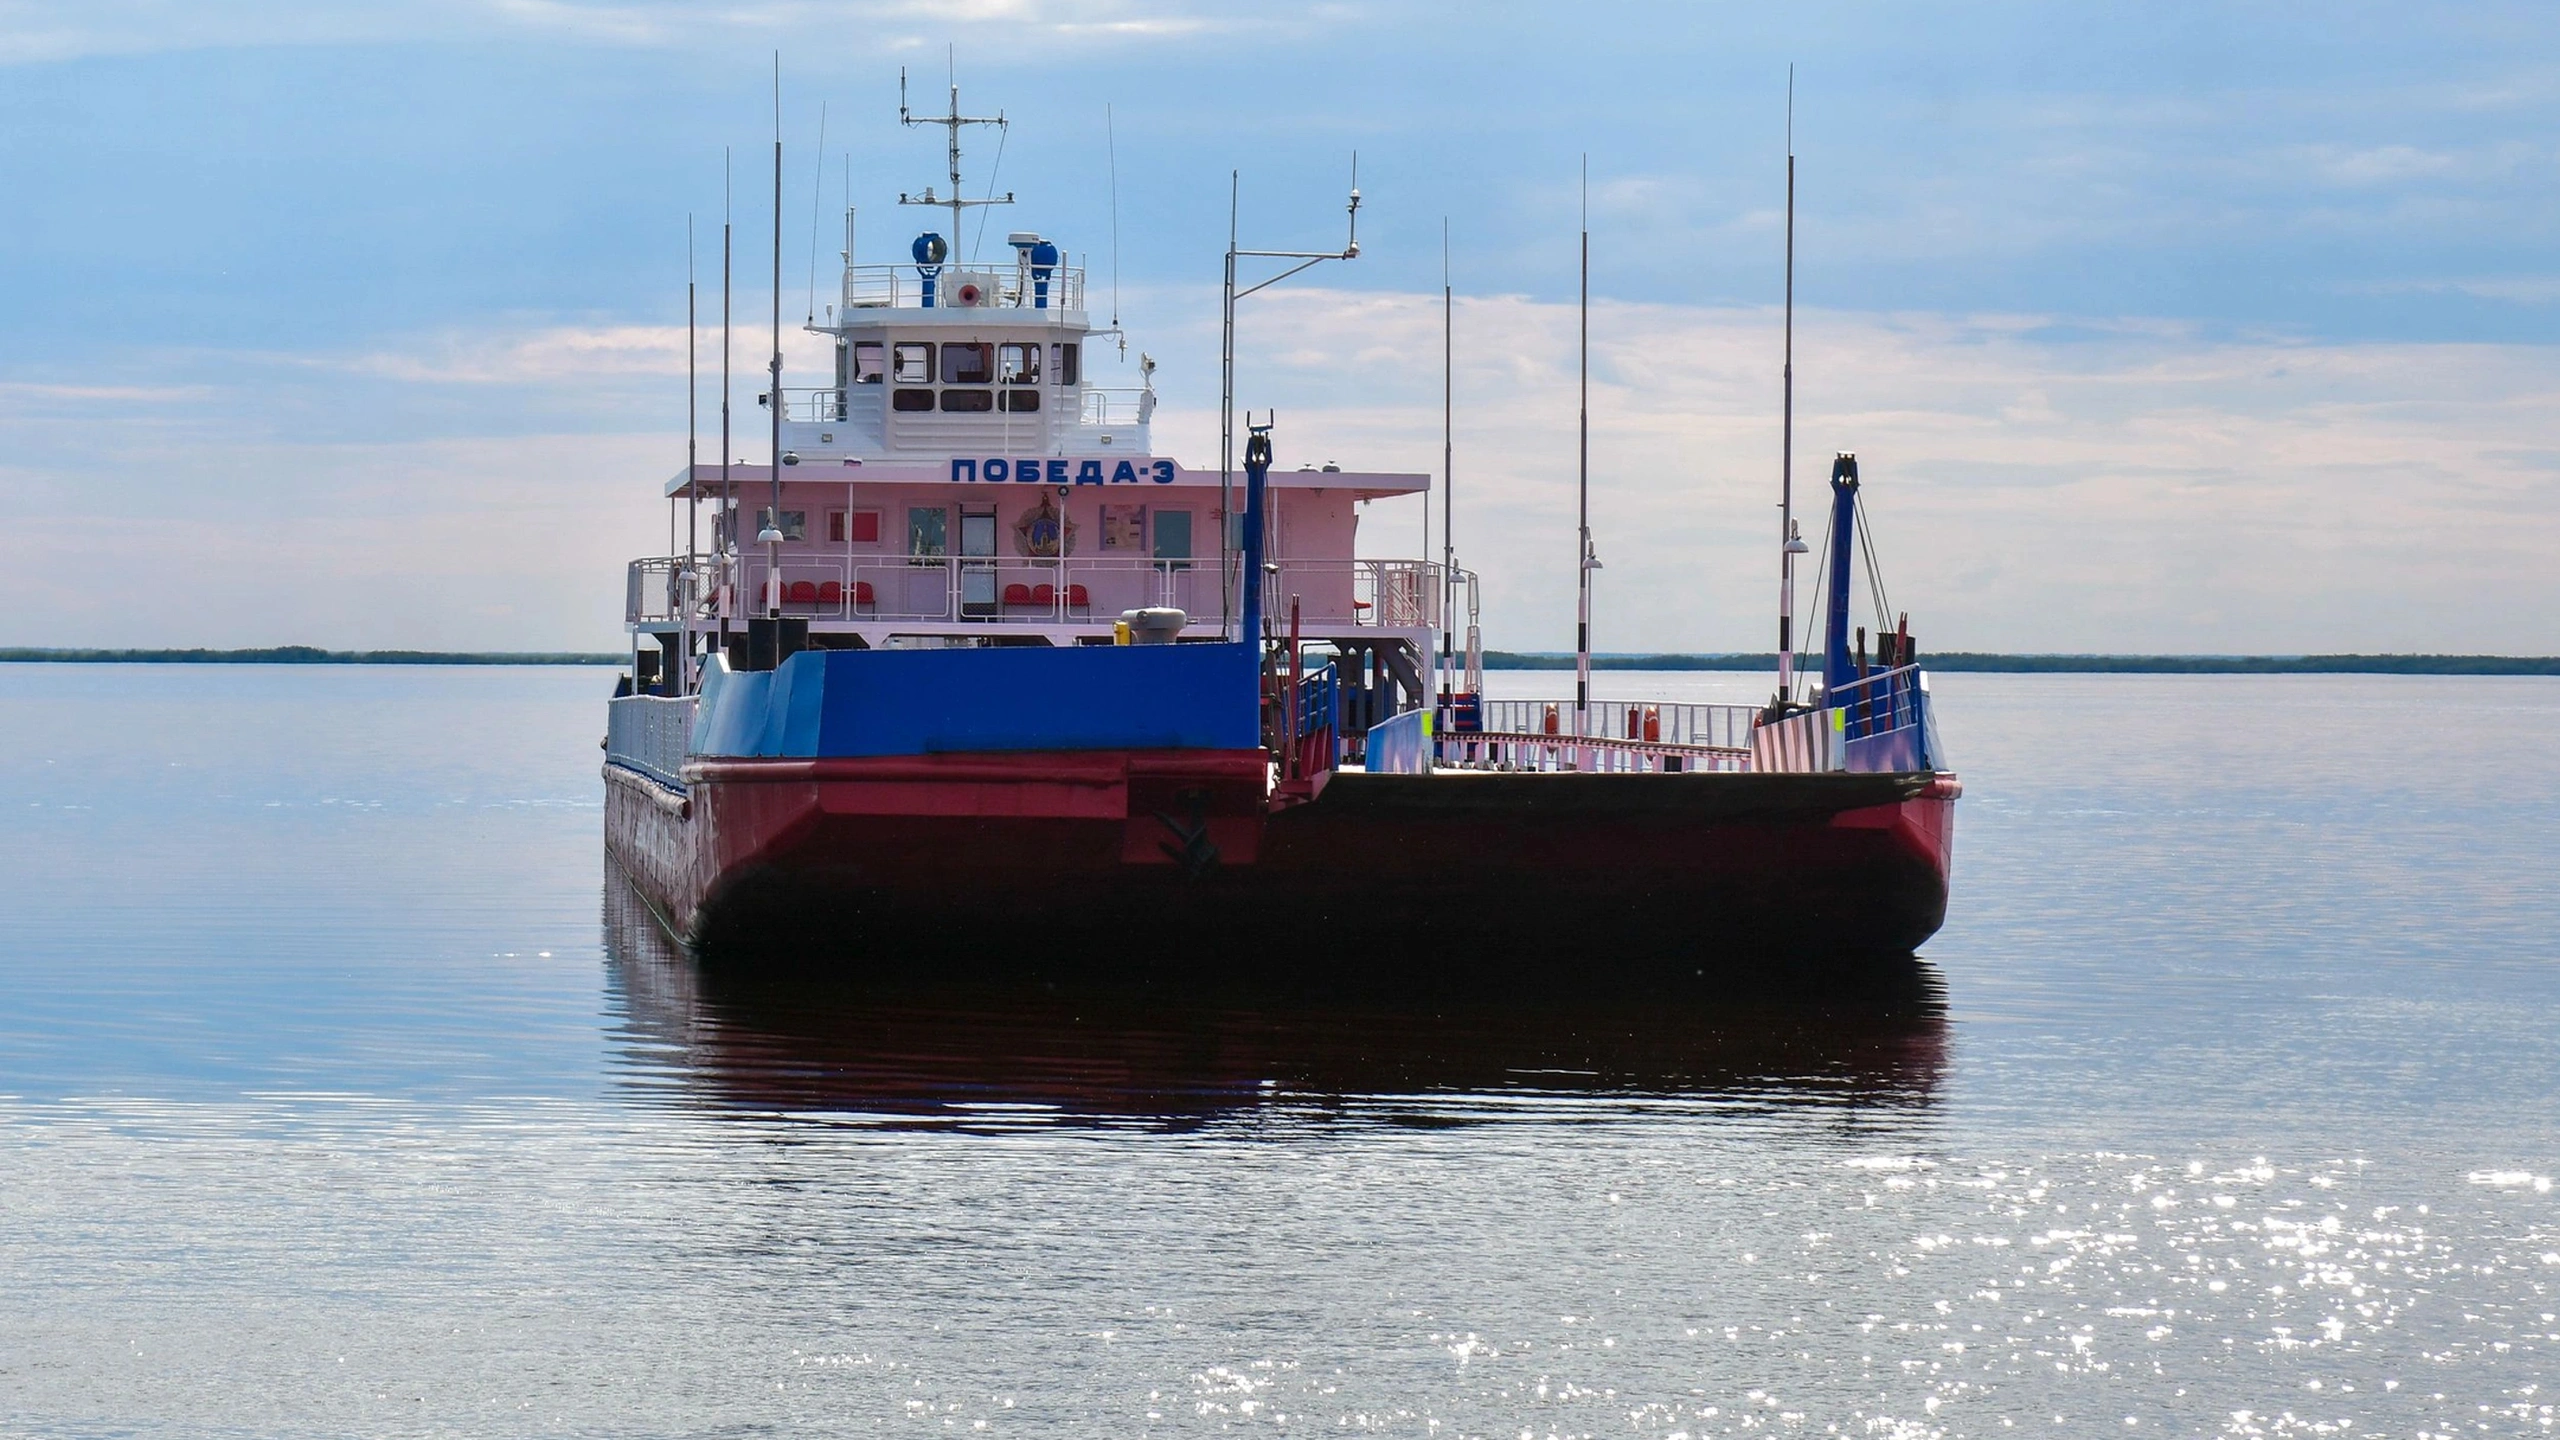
x: 1551, y: 719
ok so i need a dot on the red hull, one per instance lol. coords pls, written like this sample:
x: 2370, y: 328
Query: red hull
x: 1169, y: 859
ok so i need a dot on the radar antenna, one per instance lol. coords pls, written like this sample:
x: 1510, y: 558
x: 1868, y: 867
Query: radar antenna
x: 951, y: 120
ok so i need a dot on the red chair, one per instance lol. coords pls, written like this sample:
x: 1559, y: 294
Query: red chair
x: 1076, y: 595
x: 831, y: 594
x: 861, y: 592
x: 801, y: 592
x: 1044, y: 596
x: 1017, y: 594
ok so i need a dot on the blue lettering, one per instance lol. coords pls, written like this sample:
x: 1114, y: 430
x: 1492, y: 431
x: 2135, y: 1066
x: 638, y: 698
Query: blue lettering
x: 966, y: 470
x: 1089, y: 473
x: 1164, y: 472
x: 1057, y: 472
x: 995, y: 469
x: 1026, y: 472
x: 1124, y: 474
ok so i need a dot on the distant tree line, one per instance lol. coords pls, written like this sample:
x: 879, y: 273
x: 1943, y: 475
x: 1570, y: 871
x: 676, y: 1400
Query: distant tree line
x: 1954, y: 660
x: 313, y: 655
x: 1950, y: 660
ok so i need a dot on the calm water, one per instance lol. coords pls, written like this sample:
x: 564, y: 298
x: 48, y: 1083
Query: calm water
x: 339, y: 1095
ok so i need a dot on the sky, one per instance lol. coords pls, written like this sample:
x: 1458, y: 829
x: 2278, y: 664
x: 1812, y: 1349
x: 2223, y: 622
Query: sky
x: 2156, y: 327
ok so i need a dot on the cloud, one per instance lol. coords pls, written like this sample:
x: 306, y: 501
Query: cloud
x: 2033, y: 484
x: 2141, y: 486
x: 552, y: 355
x: 45, y: 31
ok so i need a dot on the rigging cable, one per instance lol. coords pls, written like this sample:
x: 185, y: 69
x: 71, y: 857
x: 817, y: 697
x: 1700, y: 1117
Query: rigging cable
x: 1003, y: 133
x: 817, y: 197
x: 1111, y: 151
x: 1820, y: 568
x: 1875, y: 578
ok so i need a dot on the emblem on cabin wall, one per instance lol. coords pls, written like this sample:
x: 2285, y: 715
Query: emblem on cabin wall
x: 1041, y: 528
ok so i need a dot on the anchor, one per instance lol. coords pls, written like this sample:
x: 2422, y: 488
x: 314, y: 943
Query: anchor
x: 1191, y: 848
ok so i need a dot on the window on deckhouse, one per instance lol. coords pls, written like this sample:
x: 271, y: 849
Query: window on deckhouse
x: 913, y: 362
x: 928, y: 532
x: 867, y: 362
x: 1018, y: 364
x: 968, y: 362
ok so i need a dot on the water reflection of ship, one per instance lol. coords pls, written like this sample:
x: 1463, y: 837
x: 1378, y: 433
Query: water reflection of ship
x: 1864, y: 1044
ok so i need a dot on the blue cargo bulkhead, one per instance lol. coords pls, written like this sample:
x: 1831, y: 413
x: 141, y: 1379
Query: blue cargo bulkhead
x: 933, y: 702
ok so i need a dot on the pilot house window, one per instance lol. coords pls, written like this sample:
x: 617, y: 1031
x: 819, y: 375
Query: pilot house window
x: 914, y: 363
x: 866, y: 362
x: 1018, y: 364
x: 1067, y: 361
x: 968, y: 402
x: 968, y: 363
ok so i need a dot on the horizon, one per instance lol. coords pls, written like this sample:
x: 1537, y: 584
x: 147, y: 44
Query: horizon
x: 371, y: 324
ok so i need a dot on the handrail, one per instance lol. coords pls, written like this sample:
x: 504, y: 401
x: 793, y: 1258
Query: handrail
x: 1117, y: 405
x: 1543, y: 753
x: 1361, y: 594
x: 650, y: 734
x: 1726, y: 727
x: 1876, y: 704
x: 879, y: 287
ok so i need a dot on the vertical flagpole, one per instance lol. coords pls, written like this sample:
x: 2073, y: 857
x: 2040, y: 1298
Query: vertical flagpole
x: 728, y: 487
x: 1582, y: 560
x: 1448, y: 465
x: 692, y: 458
x: 1787, y: 436
x: 772, y: 536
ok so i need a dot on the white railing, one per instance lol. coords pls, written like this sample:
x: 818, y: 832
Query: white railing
x: 816, y: 405
x: 1118, y: 405
x: 874, y: 287
x: 1388, y: 594
x: 999, y: 590
x: 1725, y: 727
x: 650, y: 734
x: 1484, y: 750
x: 661, y: 588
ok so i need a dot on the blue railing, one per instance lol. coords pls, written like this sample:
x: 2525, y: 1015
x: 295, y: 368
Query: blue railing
x: 1317, y: 745
x: 1882, y: 721
x: 1401, y: 746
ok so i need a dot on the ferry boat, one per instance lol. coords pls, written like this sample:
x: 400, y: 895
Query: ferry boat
x: 969, y: 674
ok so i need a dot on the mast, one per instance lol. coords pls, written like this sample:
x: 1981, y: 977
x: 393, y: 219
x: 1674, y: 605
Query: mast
x: 1788, y: 544
x: 728, y: 488
x: 772, y: 534
x: 692, y: 453
x: 1584, y: 563
x: 1228, y: 296
x: 1448, y: 472
x: 951, y: 120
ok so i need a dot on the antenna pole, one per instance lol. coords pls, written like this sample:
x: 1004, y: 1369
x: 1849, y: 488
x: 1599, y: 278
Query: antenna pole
x: 952, y: 121
x: 692, y: 454
x: 1448, y: 464
x: 772, y: 536
x: 1787, y: 435
x: 1582, y: 568
x: 1229, y: 295
x: 728, y: 487
x: 1226, y: 400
